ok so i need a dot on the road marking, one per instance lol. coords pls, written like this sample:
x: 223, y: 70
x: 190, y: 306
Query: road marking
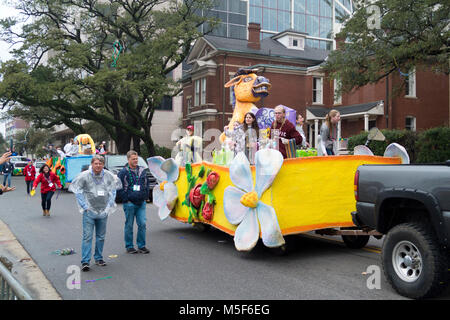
x: 375, y: 250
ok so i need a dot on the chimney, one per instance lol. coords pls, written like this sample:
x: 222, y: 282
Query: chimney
x: 340, y: 40
x: 253, y: 35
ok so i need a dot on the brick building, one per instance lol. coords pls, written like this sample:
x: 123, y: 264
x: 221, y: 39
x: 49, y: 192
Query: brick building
x: 299, y: 82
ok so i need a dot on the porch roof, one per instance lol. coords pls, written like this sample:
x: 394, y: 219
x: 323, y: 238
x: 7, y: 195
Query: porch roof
x: 350, y: 111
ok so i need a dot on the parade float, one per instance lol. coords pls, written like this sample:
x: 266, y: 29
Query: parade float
x: 69, y: 167
x: 274, y: 198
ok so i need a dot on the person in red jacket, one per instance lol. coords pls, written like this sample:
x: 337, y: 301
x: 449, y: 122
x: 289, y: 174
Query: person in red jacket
x: 29, y: 172
x: 286, y: 129
x: 48, y: 180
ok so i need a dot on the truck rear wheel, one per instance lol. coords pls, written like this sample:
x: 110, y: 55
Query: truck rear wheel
x: 413, y: 262
x: 355, y: 242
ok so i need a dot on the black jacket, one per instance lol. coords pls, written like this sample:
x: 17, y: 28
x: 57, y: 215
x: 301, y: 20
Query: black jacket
x: 8, y: 167
x: 128, y: 180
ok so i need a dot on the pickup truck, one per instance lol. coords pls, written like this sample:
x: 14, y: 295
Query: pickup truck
x: 410, y: 205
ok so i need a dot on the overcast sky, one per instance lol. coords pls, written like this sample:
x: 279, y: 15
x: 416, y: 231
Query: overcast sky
x: 5, y: 12
x: 4, y: 47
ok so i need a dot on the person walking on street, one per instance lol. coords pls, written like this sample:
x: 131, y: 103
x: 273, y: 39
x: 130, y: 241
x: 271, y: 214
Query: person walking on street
x: 30, y: 173
x: 7, y: 170
x: 95, y: 191
x: 48, y: 181
x: 134, y: 194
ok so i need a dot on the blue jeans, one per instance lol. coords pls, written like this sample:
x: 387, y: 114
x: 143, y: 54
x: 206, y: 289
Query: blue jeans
x: 131, y: 211
x: 91, y: 221
x: 7, y: 176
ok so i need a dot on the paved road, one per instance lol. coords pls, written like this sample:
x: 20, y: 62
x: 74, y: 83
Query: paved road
x: 185, y: 263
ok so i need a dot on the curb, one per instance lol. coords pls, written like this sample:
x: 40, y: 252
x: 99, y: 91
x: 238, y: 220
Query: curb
x: 25, y: 270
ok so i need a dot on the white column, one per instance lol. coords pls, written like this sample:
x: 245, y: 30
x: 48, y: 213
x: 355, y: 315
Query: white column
x: 310, y: 134
x: 366, y: 122
x: 339, y: 130
x: 338, y: 138
x: 316, y: 135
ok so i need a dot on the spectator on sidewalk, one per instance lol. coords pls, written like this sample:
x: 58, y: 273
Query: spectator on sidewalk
x: 7, y: 170
x: 95, y: 191
x: 5, y: 157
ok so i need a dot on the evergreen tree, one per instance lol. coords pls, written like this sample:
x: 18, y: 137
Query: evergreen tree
x: 107, y: 61
x: 391, y: 36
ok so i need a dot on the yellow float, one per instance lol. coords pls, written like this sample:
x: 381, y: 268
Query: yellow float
x: 306, y: 194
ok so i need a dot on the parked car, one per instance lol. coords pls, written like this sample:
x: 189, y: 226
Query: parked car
x: 19, y: 164
x: 115, y: 163
x: 410, y: 204
x: 38, y: 165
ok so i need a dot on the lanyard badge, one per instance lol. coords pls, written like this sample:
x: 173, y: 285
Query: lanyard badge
x: 134, y: 181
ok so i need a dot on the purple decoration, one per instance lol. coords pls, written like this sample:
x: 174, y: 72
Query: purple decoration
x: 265, y: 116
x: 291, y: 114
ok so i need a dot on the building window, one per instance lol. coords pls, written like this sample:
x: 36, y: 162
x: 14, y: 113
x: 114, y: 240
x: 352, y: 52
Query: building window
x: 198, y: 128
x: 232, y: 99
x: 297, y: 43
x: 189, y: 104
x: 410, y: 83
x: 203, y: 96
x: 317, y: 90
x: 232, y: 16
x: 410, y: 123
x: 166, y: 104
x: 197, y: 93
x: 337, y: 94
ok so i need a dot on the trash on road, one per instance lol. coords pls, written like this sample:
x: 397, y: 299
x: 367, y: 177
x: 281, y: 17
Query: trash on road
x: 64, y: 252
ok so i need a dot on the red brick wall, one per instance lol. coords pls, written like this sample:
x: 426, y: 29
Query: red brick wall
x: 431, y: 107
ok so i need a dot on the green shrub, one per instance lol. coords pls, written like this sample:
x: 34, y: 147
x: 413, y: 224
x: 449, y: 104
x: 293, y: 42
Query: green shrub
x: 159, y: 151
x: 433, y: 145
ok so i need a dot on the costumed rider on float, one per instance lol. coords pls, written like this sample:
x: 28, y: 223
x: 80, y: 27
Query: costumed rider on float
x: 190, y: 148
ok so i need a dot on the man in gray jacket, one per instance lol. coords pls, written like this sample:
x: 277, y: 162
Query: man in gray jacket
x: 95, y: 191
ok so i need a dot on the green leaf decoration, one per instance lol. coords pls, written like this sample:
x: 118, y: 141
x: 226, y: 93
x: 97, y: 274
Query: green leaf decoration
x: 204, y: 189
x: 188, y: 171
x: 201, y: 173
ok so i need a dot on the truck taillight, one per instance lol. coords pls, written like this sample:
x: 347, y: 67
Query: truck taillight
x: 355, y: 185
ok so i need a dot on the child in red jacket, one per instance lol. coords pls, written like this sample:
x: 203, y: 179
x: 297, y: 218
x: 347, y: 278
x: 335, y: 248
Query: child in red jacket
x: 29, y: 172
x: 48, y: 180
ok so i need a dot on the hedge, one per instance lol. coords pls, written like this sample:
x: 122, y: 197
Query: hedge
x: 432, y: 145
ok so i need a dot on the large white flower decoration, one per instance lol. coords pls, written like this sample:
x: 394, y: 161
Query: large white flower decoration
x: 241, y: 203
x: 165, y: 194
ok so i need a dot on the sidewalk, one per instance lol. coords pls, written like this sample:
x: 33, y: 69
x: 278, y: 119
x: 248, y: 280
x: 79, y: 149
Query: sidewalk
x: 25, y: 270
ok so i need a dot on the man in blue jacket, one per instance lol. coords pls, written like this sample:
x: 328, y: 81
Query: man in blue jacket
x: 134, y: 195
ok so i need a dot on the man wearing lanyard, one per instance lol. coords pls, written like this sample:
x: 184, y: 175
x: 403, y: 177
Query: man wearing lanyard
x: 95, y: 191
x: 134, y: 195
